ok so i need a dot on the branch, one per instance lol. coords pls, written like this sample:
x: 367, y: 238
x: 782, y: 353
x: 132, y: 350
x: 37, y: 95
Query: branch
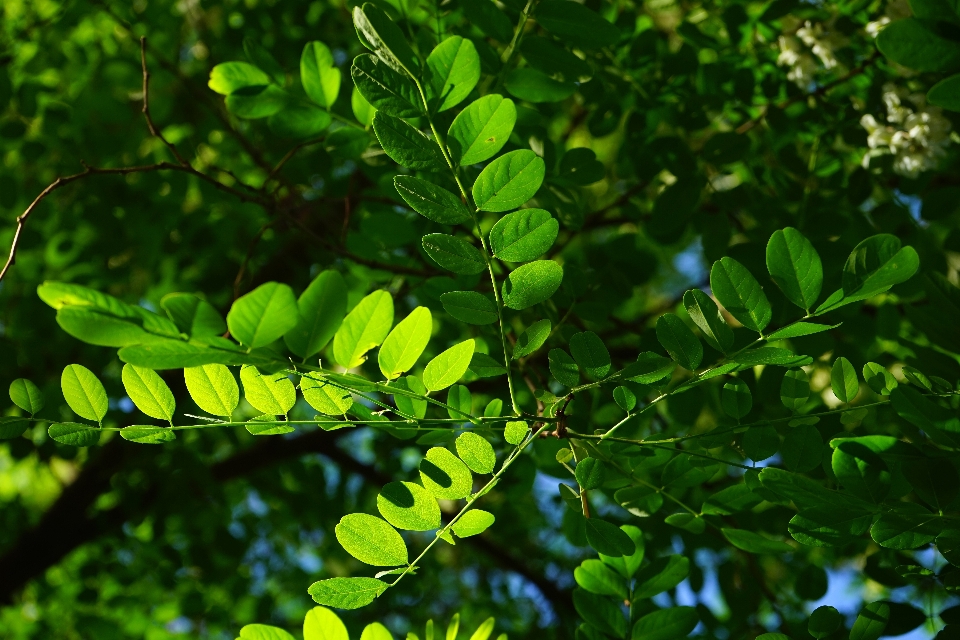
x: 146, y: 105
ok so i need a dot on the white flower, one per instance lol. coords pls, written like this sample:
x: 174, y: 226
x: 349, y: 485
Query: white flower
x: 797, y: 52
x: 895, y: 10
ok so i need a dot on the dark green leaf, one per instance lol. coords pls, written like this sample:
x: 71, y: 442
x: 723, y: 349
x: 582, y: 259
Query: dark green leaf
x: 824, y: 621
x: 431, y: 201
x: 379, y: 34
x: 754, y: 542
x: 470, y: 307
x: 532, y: 338
x: 706, y: 315
x: 608, y: 539
x: 405, y: 144
x: 802, y: 449
x: 795, y: 266
x: 772, y: 356
x: 740, y: 294
x: 299, y: 121
x: 531, y: 284
x: 600, y: 612
x: 535, y: 86
x: 861, y: 471
x: 907, y: 526
x: 564, y: 368
x: 488, y: 18
x: 596, y: 577
x: 523, y: 235
x: 576, y: 24
x: 666, y: 624
x: 736, y: 398
x: 946, y: 93
x: 916, y: 44
x: 385, y: 89
x: 871, y: 621
x: 795, y: 389
x: 679, y: 341
x: 591, y: 473
x: 759, y: 443
x: 486, y: 367
x: 454, y: 254
x: 590, y: 353
x: 660, y: 575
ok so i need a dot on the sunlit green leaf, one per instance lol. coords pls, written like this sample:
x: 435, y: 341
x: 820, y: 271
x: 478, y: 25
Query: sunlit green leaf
x: 509, y: 181
x: 481, y: 129
x: 371, y: 540
x: 84, y: 392
x: 364, y: 328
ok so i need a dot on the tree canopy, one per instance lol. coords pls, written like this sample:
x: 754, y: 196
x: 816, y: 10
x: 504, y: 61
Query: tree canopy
x: 477, y: 318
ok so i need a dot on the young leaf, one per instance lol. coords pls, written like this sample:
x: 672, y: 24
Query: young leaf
x: 795, y: 389
x: 625, y: 398
x: 736, y: 398
x: 795, y: 266
x: 523, y: 235
x: 531, y: 284
x: 346, y: 593
x: 706, y: 315
x: 480, y: 131
x: 563, y: 368
x: 26, y: 395
x: 409, y: 506
x: 844, y: 381
x: 454, y: 254
x: 454, y: 70
x: 740, y: 294
x: 476, y: 453
x: 385, y: 89
x: 405, y: 343
x: 84, y: 393
x: 379, y: 34
x: 444, y: 475
x: 472, y: 523
x: 364, y: 328
x: 515, y: 432
x: 509, y: 181
x: 679, y: 341
x: 448, y: 367
x: 263, y: 315
x: 149, y: 392
x: 405, y: 144
x: 577, y: 25
x: 375, y: 631
x: 213, y: 388
x: 322, y: 307
x: 323, y: 624
x: 326, y: 398
x: 800, y: 329
x: 666, y: 624
x: 532, y: 338
x: 148, y: 434
x: 318, y: 75
x: 192, y: 315
x: 470, y: 307
x: 363, y: 111
x: 878, y: 378
x: 272, y: 394
x: 74, y: 433
x: 590, y: 353
x: 263, y: 632
x: 431, y: 201
x: 371, y: 540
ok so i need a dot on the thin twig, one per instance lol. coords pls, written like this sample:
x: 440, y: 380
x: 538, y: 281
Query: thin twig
x: 146, y: 105
x: 246, y: 259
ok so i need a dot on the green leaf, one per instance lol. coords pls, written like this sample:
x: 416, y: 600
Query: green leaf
x: 541, y: 53
x: 270, y: 393
x: 516, y: 432
x: 600, y: 612
x: 448, y: 367
x: 74, y: 433
x: 906, y: 526
x: 459, y: 401
x: 649, y: 368
x: 328, y: 399
x: 138, y: 325
x: 267, y: 425
x: 523, y: 235
x: 706, y: 315
x: 679, y: 341
x: 795, y: 389
x: 532, y: 85
x: 322, y: 307
x: 660, y: 575
x: 488, y: 18
x: 730, y: 500
x: 476, y: 453
x: 879, y: 379
x: 871, y: 621
x: 26, y: 395
x: 299, y: 121
x: 608, y: 539
x: 257, y: 102
x: 563, y: 368
x: 472, y: 523
x: 470, y: 307
x: 364, y: 328
x: 385, y: 89
x: 532, y: 338
x: 363, y: 111
x: 444, y: 475
x: 772, y: 356
x: 531, y: 284
x: 371, y: 540
x: 431, y: 201
x: 591, y: 473
x: 405, y: 144
x: 454, y: 254
x: 666, y: 624
x: 946, y: 93
x: 176, y: 354
x: 453, y: 71
x: 799, y: 329
x: 213, y: 388
x: 322, y: 624
x: 346, y: 593
x: 148, y: 434
x: 627, y: 565
x: 375, y: 631
x: 754, y: 542
x: 318, y: 74
x: 736, y: 398
x: 229, y: 77
x: 795, y: 266
x: 740, y: 294
x: 861, y: 471
x: 263, y: 632
x: 919, y: 44
x: 403, y: 346
x: 580, y: 167
x: 408, y: 506
x: 12, y: 427
x: 379, y: 34
x: 802, y: 449
x: 84, y: 392
x: 509, y: 181
x: 481, y: 129
x: 149, y: 392
x: 409, y: 405
x: 263, y: 315
x: 263, y: 59
x: 575, y: 24
x: 625, y: 398
x: 192, y: 315
x: 823, y: 622
x: 759, y: 443
x: 590, y: 353
x: 596, y: 577
x: 939, y: 423
x: 937, y: 484
x: 875, y: 265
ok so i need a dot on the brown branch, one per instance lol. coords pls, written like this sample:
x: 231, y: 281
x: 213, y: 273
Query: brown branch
x: 286, y: 158
x: 146, y: 105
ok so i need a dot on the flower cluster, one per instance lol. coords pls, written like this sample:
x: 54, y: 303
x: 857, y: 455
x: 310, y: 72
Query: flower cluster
x: 916, y: 137
x: 801, y: 50
x: 895, y: 10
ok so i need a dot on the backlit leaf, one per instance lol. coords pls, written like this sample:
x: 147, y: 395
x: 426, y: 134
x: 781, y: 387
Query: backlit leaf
x: 481, y: 129
x: 371, y: 540
x: 263, y: 315
x: 706, y: 315
x: 84, y: 392
x: 531, y: 284
x: 448, y: 367
x: 454, y: 254
x: 213, y: 388
x: 454, y: 70
x: 472, y: 523
x: 149, y: 392
x: 409, y: 506
x: 270, y: 393
x: 523, y: 235
x: 346, y: 593
x: 26, y: 395
x: 318, y: 75
x: 444, y: 475
x: 740, y: 294
x: 509, y: 181
x: 322, y: 307
x: 403, y: 346
x: 364, y: 328
x: 476, y: 452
